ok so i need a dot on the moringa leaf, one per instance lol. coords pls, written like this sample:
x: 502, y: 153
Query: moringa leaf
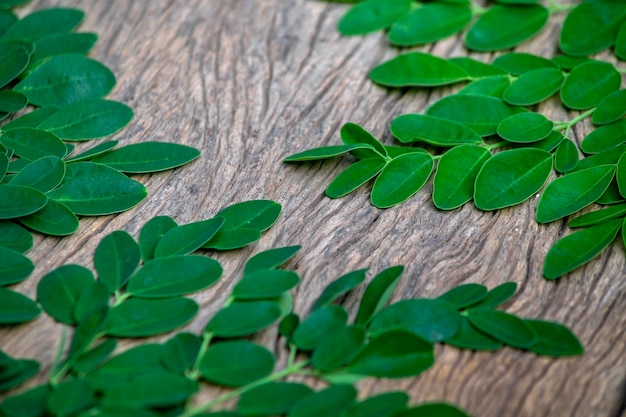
x: 554, y: 339
x: 417, y: 69
x: 151, y: 234
x: 496, y: 296
x: 43, y: 174
x: 320, y: 322
x: 340, y: 287
x: 409, y: 128
x: 477, y: 69
x: 184, y: 239
x: 32, y: 144
x: 264, y: 283
x: 352, y: 134
x: 432, y: 410
x: 116, y: 259
x: 61, y: 43
x: 16, y: 308
x: 470, y: 338
x: 325, y: 152
x: 44, y: 22
x: 611, y: 108
x: 494, y: 85
x: 180, y: 352
x: 605, y: 137
x: 271, y: 398
x: 236, y: 363
x: 59, y: 290
x: 331, y: 402
x: 11, y: 101
x: 381, y: 405
x: 13, y: 236
x: 148, y: 157
x: 525, y: 127
x: 17, y: 201
x: 504, y: 327
x: 518, y: 63
x: 371, y: 16
x: 401, y: 178
x: 54, y: 219
x: 465, y: 295
x: 243, y: 318
x: 378, y: 293
x: 354, y: 176
x: 534, y: 86
x: 566, y: 157
x: 14, y: 267
x: 588, y: 83
x: 270, y: 259
x: 14, y: 57
x: 599, y: 216
x: 338, y: 348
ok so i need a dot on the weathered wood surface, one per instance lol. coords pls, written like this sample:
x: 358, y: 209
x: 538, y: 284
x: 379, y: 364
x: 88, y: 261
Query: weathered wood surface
x: 252, y: 81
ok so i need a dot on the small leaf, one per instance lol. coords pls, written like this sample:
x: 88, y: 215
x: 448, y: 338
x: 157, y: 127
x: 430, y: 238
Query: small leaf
x: 554, y: 339
x: 236, y: 363
x: 609, y: 157
x: 155, y: 389
x: 588, y: 83
x: 518, y: 63
x: 548, y: 144
x: 16, y: 308
x: 140, y: 318
x: 151, y: 234
x: 320, y: 322
x: 417, y: 69
x: 272, y: 398
x: 621, y: 175
x: 497, y: 296
x: 567, y: 63
x: 180, y: 352
x: 573, y: 192
x: 534, y: 86
x: 325, y: 152
x: 181, y: 240
x: 354, y: 176
x: 147, y: 157
x: 611, y: 108
x: 265, y: 283
x: 20, y: 371
x: 381, y: 405
x: 14, y: 267
x: 598, y: 216
x: 352, y: 134
x: 288, y: 325
x: 15, y: 237
x: 28, y: 403
x: 506, y: 26
x: 70, y: 397
x: 33, y: 144
x: 566, y: 157
x: 510, y: 177
x: 44, y: 22
x: 504, y: 327
x: 409, y: 128
x: 43, y: 175
x: 90, y: 360
x: 454, y: 180
x: 340, y: 287
x: 140, y: 359
x: 378, y: 293
x: 59, y: 290
x: 525, y: 127
x: 330, y: 402
x: 401, y: 179
x: 243, y: 318
x: 605, y: 137
x: 394, y: 354
x: 477, y: 69
x: 14, y: 58
x: 61, y: 43
x: 11, y: 101
x: 579, y: 248
x: 116, y: 258
x: 372, y: 15
x: 470, y: 338
x: 338, y: 348
x: 493, y: 86
x: 432, y: 410
x: 464, y: 295
x: 99, y: 149
x: 270, y: 259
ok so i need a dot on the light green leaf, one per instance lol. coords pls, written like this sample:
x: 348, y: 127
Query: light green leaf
x: 566, y: 157
x: 16, y: 308
x: 372, y: 15
x: 409, y: 128
x: 401, y: 178
x: 354, y: 176
x: 54, y: 219
x: 32, y: 144
x: 243, y: 318
x: 554, y: 339
x: 609, y: 157
x: 14, y: 267
x: 525, y: 127
x: 18, y: 201
x: 599, y: 216
x: 417, y: 69
x: 588, y: 83
x: 236, y: 363
x: 184, y: 239
x: 567, y: 63
x: 325, y: 152
x: 504, y: 327
x: 534, y: 86
x: 611, y: 108
x: 117, y: 257
x: 378, y: 293
x: 605, y: 137
x: 43, y: 174
x: 518, y: 63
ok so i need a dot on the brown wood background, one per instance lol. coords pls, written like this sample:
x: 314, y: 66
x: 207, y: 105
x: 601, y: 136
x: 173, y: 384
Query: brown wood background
x: 252, y: 81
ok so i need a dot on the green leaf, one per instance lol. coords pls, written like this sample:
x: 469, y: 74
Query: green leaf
x: 15, y: 237
x: 319, y: 323
x: 44, y: 22
x: 464, y: 295
x: 66, y: 79
x: 91, y: 359
x: 352, y: 134
x: 598, y: 216
x: 454, y: 180
x: 567, y: 63
x: 417, y: 69
x: 151, y: 234
x: 61, y: 43
x: 394, y: 354
x: 429, y: 23
x: 20, y: 371
x: 605, y: 137
x: 554, y: 339
x: 340, y: 287
x: 173, y: 276
x: 482, y: 114
x: 42, y: 174
x: 518, y: 63
x: 155, y: 389
x: 4, y: 165
x: 325, y: 152
x: 99, y: 149
x: 609, y: 157
x: 94, y: 190
x: 591, y: 27
x: 494, y: 86
x: 33, y: 144
x: 16, y: 308
x: 548, y: 144
x: 378, y: 293
x: 431, y: 319
x: 534, y: 86
x: 579, y: 248
x: 504, y: 327
x: 148, y: 157
x: 26, y: 404
x: 354, y: 176
x: 233, y: 239
x: 409, y: 128
x: 588, y: 83
x: 90, y: 312
x: 11, y: 101
x: 14, y: 267
x: 31, y: 119
x: 470, y: 338
x: 140, y: 318
x: 14, y: 58
x: 7, y: 18
x: 381, y: 405
x: 288, y: 325
x: 432, y: 410
x: 510, y: 177
x: 372, y: 15
x: 477, y: 69
x: 611, y: 108
x: 329, y: 402
x: 270, y: 259
x: 180, y: 352
x: 506, y: 26
x: 566, y: 157
x: 621, y: 175
x: 243, y: 318
x: 117, y: 257
x: 265, y: 283
x: 272, y: 398
x: 181, y: 240
x: 70, y: 397
x: 620, y: 43
x: 525, y: 127
x: 497, y: 296
x: 59, y: 290
x: 572, y: 192
x: 88, y: 119
x: 401, y: 179
x: 236, y: 363
x: 338, y: 348
x: 140, y: 359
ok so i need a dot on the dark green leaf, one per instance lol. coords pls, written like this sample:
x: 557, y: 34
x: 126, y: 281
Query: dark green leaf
x: 504, y: 327
x: 33, y: 144
x: 510, y: 177
x: 325, y: 152
x: 27, y: 404
x: 140, y: 359
x: 482, y: 114
x: 148, y: 157
x: 170, y: 276
x: 180, y: 352
x: 59, y: 290
x: 338, y: 348
x: 139, y: 318
x: 505, y: 26
x: 378, y: 293
x: 90, y: 360
x: 20, y: 371
x: 588, y: 83
x: 431, y: 319
x: 66, y: 79
x: 14, y: 267
x: 548, y: 144
x: 4, y: 165
x: 329, y: 402
x: 493, y: 86
x: 93, y: 190
x: 31, y: 119
x: 340, y: 287
x: 44, y: 22
x: 534, y: 86
x: 611, y: 195
x: 401, y: 179
x: 151, y: 234
x: 243, y: 318
x: 233, y: 239
x: 477, y: 69
x: 288, y: 325
x: 464, y: 295
x: 394, y: 354
x: 572, y: 192
x: 94, y: 297
x: 621, y: 175
x: 579, y: 248
x: 409, y: 128
x: 354, y: 176
x: 181, y: 240
x: 15, y: 237
x: 598, y: 216
x: 42, y: 174
x: 70, y: 397
x: 272, y: 398
x: 265, y: 283
x: 381, y: 405
x: 454, y: 180
x: 566, y: 157
x: 525, y: 127
x: 611, y: 108
x: 54, y: 219
x: 470, y: 338
x: 14, y: 58
x: 236, y: 363
x: 62, y: 43
x: 429, y: 23
x: 100, y: 149
x: 567, y: 63
x: 518, y: 63
x: 116, y: 258
x: 605, y: 137
x: 352, y: 134
x: 16, y: 308
x: 319, y: 323
x: 417, y: 69
x: 554, y: 339
x: 7, y: 19
x: 372, y: 15
x: 11, y: 101
x: 432, y: 410
x: 620, y: 43
x: 611, y: 156
x: 270, y: 259
x: 497, y: 296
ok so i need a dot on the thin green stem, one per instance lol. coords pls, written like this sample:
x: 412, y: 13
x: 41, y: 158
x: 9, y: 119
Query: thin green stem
x: 120, y: 298
x: 57, y: 370
x: 568, y: 124
x: 194, y: 373
x: 621, y: 70
x: 497, y: 145
x: 477, y: 10
x: 293, y: 350
x: 557, y: 8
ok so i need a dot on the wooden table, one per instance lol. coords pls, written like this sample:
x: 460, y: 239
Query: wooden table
x: 252, y: 81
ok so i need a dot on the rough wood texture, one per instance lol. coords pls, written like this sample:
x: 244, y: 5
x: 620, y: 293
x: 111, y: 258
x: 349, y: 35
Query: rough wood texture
x: 252, y: 81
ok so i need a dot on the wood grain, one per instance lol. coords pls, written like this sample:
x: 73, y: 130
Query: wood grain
x: 252, y: 81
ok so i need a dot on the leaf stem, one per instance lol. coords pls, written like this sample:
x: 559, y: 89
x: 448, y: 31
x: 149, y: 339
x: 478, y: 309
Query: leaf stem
x: 120, y: 298
x: 194, y: 373
x: 477, y: 10
x: 497, y: 145
x: 568, y: 124
x: 56, y: 371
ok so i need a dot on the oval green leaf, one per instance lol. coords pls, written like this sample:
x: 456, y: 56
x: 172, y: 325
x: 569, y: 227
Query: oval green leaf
x: 432, y: 410
x: 151, y: 233
x: 534, y: 86
x: 554, y: 339
x: 44, y: 22
x: 588, y: 83
x: 18, y: 201
x: 409, y: 128
x: 417, y: 69
x: 504, y: 327
x: 605, y: 137
x: 15, y: 237
x: 14, y: 57
x: 525, y: 127
x: 518, y: 63
x: 318, y: 324
x: 401, y: 178
x: 270, y: 259
x: 497, y: 296
x: 32, y: 144
x: 243, y: 318
x: 340, y: 287
x: 325, y: 152
x: 470, y: 338
x: 43, y: 174
x: 148, y: 157
x: 16, y: 308
x: 54, y: 219
x: 354, y: 176
x: 352, y: 134
x: 465, y: 295
x: 181, y: 240
x: 610, y: 108
x: 338, y: 348
x: 236, y: 363
x: 265, y: 283
x: 378, y: 293
x: 372, y: 15
x: 14, y: 267
x: 116, y: 258
x: 381, y: 405
x: 566, y: 157
x: 330, y: 402
x: 59, y: 290
x: 272, y: 398
x: 11, y: 101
